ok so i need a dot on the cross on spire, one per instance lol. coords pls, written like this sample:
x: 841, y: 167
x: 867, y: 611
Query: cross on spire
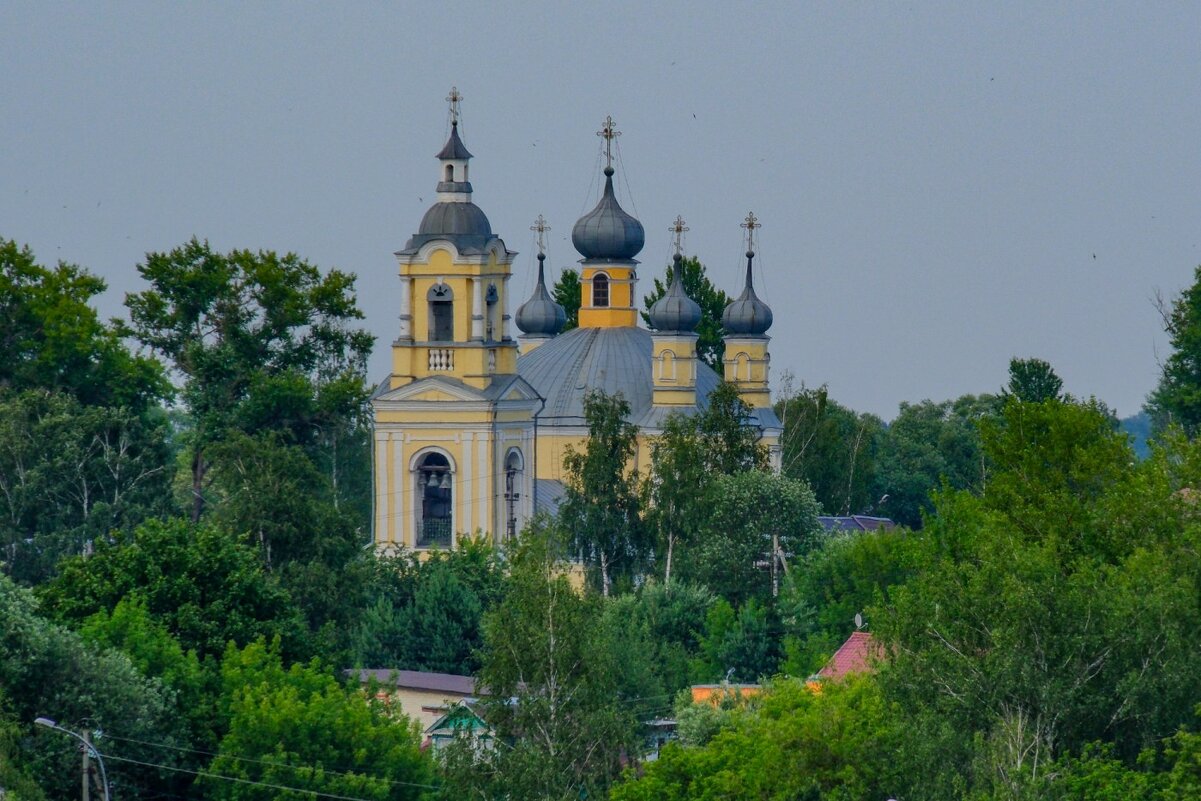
x: 541, y: 227
x: 677, y: 229
x: 750, y: 224
x: 454, y: 98
x: 608, y: 132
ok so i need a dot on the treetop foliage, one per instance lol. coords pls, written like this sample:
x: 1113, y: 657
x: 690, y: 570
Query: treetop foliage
x: 710, y: 344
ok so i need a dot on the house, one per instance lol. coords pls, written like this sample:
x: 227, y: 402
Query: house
x: 845, y: 523
x: 460, y: 718
x: 856, y: 655
x: 420, y: 695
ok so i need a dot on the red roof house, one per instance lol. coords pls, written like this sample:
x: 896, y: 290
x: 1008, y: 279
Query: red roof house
x: 853, y: 656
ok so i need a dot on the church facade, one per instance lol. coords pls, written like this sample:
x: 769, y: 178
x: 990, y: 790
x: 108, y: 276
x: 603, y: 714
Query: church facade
x: 472, y: 424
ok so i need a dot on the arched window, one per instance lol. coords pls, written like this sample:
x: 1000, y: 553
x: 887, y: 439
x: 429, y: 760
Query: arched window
x: 600, y: 290
x: 442, y: 313
x: 667, y: 366
x: 434, y: 494
x: 450, y: 172
x: 514, y: 467
x: 743, y: 371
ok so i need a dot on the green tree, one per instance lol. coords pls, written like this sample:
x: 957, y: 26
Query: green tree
x: 671, y: 616
x: 840, y: 744
x: 553, y: 672
x: 1033, y: 381
x: 261, y: 341
x: 1177, y: 396
x: 831, y: 447
x: 759, y: 520
x: 70, y: 473
x: 710, y: 344
x: 736, y: 645
x: 568, y: 294
x: 52, y: 339
x: 48, y: 671
x: 729, y: 442
x: 931, y: 445
x: 676, y: 489
x: 200, y: 583
x: 601, y: 511
x: 297, y: 727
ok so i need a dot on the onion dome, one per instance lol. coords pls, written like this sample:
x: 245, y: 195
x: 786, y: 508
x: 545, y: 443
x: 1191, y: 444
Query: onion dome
x: 540, y: 315
x: 607, y: 233
x: 747, y: 316
x: 675, y: 312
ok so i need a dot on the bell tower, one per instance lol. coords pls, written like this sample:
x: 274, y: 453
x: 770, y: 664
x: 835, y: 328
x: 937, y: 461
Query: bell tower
x: 454, y: 284
x: 746, y: 321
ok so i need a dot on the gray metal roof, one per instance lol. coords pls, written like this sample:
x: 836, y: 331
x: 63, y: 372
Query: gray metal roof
x: 454, y: 147
x: 548, y: 495
x: 675, y: 312
x: 748, y: 314
x: 611, y: 359
x: 540, y: 315
x: 461, y: 222
x: 607, y: 232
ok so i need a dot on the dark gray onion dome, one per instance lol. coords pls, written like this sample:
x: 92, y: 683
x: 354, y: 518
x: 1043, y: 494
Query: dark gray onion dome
x: 675, y: 312
x: 455, y: 218
x: 607, y: 233
x: 454, y: 147
x: 540, y: 315
x: 747, y: 316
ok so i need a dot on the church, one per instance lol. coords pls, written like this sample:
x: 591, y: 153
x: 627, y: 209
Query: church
x: 472, y: 424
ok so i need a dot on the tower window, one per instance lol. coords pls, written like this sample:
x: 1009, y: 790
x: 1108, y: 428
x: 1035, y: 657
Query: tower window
x: 600, y: 290
x: 442, y: 313
x: 450, y: 172
x: 434, y: 492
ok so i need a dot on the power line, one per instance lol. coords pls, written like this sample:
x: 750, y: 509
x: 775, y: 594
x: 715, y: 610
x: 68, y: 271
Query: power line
x: 336, y: 772
x: 208, y: 775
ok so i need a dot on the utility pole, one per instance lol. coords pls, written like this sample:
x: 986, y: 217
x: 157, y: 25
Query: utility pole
x: 87, y: 765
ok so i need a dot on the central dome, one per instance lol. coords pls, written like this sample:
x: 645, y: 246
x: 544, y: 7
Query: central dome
x: 607, y: 233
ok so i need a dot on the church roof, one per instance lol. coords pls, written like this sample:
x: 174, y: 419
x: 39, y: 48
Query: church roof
x: 611, y: 359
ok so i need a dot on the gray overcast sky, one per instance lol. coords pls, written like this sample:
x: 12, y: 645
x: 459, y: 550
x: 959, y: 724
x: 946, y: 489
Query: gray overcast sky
x: 942, y: 187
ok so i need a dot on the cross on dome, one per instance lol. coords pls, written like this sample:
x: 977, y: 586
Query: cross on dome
x: 541, y: 227
x: 678, y: 228
x: 609, y: 132
x: 750, y: 224
x: 454, y: 98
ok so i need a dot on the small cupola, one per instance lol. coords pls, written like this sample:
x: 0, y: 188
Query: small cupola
x: 675, y: 312
x: 748, y: 316
x: 608, y: 233
x: 540, y: 316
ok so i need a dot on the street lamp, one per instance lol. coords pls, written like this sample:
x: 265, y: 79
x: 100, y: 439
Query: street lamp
x: 50, y: 724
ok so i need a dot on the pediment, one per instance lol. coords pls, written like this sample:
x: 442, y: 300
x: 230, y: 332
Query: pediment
x: 432, y: 389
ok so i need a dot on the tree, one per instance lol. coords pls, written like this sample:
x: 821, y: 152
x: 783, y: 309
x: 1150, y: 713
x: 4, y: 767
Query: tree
x: 262, y: 342
x: 1177, y: 396
x: 200, y: 583
x: 676, y: 489
x: 48, y: 671
x: 601, y: 510
x: 831, y: 447
x: 52, y: 339
x: 710, y: 344
x: 759, y: 520
x: 931, y: 445
x: 70, y: 473
x: 552, y: 671
x: 568, y: 294
x: 1032, y: 381
x: 729, y: 443
x: 297, y: 727
x: 735, y: 645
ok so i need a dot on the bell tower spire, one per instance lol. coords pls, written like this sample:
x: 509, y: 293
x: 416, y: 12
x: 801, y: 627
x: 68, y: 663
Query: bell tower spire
x: 746, y: 321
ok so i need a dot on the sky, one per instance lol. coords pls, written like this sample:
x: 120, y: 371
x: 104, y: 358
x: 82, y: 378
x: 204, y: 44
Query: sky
x: 941, y: 186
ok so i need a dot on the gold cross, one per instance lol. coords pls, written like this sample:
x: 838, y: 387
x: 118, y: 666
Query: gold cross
x: 678, y: 228
x: 750, y: 224
x: 609, y: 132
x: 454, y: 98
x: 541, y: 227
